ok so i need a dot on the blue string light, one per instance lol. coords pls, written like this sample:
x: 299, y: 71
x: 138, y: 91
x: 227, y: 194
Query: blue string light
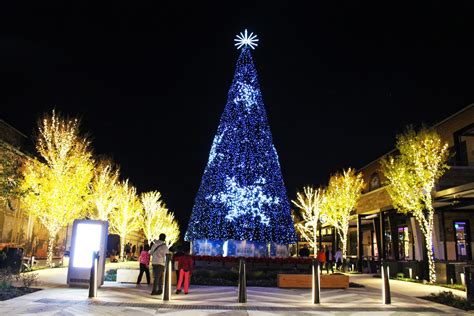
x: 242, y: 195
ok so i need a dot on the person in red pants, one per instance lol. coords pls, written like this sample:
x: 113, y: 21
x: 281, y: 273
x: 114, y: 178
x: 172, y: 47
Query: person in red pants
x: 185, y: 266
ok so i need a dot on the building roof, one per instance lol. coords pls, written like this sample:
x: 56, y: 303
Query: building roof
x: 434, y: 126
x: 10, y: 136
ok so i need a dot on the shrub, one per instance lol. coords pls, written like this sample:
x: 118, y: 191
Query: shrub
x: 6, y: 278
x: 27, y: 279
x: 448, y: 298
x: 111, y: 275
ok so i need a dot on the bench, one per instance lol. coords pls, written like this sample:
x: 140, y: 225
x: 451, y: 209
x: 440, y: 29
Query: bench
x: 131, y: 276
x: 304, y: 281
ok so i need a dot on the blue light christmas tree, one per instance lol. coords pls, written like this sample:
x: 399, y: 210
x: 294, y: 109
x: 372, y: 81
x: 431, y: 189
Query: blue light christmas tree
x: 242, y: 195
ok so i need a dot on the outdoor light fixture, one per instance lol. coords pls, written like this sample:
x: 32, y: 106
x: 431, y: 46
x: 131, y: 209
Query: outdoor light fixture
x: 410, y: 273
x: 88, y: 237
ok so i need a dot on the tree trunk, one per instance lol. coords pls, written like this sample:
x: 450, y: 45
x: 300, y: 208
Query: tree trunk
x: 429, y: 248
x: 122, y: 247
x: 49, y: 260
x: 344, y: 250
x: 315, y: 239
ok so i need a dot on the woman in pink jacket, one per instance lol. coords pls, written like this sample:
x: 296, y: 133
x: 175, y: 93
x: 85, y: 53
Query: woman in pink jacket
x: 144, y: 265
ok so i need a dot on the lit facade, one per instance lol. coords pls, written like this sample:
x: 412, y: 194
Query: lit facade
x: 379, y: 232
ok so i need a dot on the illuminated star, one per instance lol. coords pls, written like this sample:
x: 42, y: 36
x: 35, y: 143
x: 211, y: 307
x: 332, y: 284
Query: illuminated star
x: 243, y: 39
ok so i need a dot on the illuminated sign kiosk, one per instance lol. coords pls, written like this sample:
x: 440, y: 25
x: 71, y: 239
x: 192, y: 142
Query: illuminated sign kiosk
x: 88, y: 237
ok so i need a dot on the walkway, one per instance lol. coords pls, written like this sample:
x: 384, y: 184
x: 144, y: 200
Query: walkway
x: 402, y: 288
x: 119, y: 299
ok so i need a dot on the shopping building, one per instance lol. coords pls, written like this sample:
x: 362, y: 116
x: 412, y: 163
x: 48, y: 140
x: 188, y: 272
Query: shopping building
x: 17, y: 228
x: 20, y: 230
x: 379, y: 232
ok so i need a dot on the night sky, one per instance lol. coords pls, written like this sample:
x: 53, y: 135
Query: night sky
x: 150, y: 83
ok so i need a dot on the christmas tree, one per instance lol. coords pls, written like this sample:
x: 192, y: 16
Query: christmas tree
x: 242, y: 195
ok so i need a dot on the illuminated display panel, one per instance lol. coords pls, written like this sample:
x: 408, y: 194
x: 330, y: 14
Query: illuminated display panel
x: 88, y: 238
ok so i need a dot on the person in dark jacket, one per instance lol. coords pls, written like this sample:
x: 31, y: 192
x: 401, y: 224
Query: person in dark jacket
x: 329, y: 262
x: 304, y: 252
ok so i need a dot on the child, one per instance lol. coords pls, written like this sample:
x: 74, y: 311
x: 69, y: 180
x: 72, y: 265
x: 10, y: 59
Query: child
x: 144, y: 263
x: 185, y: 266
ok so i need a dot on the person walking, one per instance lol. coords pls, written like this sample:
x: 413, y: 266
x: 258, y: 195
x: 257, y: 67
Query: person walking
x: 185, y: 266
x: 126, y: 250
x: 329, y: 263
x: 134, y: 249
x: 144, y: 260
x: 304, y: 252
x: 322, y: 260
x: 158, y: 252
x: 338, y: 259
x: 176, y: 256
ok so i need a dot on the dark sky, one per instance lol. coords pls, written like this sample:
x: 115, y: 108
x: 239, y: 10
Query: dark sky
x: 150, y: 83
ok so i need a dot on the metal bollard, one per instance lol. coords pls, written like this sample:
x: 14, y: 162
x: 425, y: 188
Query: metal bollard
x: 469, y: 284
x: 167, y: 278
x: 386, y: 297
x: 93, y: 277
x: 242, y: 287
x: 316, y: 284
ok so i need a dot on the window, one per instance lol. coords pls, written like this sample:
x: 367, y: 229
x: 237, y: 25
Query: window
x: 374, y: 182
x: 403, y: 243
x: 461, y: 234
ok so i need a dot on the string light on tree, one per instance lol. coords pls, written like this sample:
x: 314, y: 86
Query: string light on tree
x: 242, y: 195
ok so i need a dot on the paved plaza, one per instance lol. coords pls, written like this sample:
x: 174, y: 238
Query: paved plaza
x: 126, y: 299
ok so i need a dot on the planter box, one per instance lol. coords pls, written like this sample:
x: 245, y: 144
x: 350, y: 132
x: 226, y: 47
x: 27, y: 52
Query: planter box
x: 213, y: 264
x: 328, y: 281
x: 231, y: 264
x: 302, y: 266
x: 260, y: 265
x: 288, y: 266
x: 131, y: 276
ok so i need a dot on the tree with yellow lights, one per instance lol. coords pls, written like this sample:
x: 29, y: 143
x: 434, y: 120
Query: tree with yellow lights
x: 105, y: 184
x: 125, y: 217
x: 342, y: 194
x: 57, y: 187
x: 157, y: 219
x: 309, y: 202
x: 10, y: 175
x: 411, y: 177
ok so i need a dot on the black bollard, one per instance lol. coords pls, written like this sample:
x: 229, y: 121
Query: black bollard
x: 93, y: 277
x: 167, y: 278
x: 316, y: 284
x: 386, y: 297
x: 242, y: 288
x: 469, y: 284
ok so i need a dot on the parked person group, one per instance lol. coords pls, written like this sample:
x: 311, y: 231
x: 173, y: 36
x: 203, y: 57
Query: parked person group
x: 327, y: 259
x: 156, y: 253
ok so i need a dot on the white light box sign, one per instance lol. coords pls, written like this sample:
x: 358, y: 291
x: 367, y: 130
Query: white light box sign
x: 88, y: 236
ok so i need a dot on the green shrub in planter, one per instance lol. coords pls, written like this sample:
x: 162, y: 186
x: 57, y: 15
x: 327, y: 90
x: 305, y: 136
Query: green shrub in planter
x: 400, y: 275
x: 448, y: 298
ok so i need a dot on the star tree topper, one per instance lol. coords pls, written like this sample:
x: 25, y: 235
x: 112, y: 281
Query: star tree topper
x: 243, y: 39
